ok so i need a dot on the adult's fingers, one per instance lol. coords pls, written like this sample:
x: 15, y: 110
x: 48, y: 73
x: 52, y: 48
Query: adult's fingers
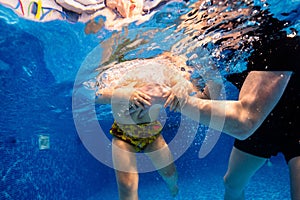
x: 174, y: 104
x: 144, y: 98
x: 169, y: 100
x: 167, y: 94
x: 137, y: 102
x: 143, y: 95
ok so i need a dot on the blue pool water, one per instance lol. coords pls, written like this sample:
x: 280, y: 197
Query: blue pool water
x: 42, y: 156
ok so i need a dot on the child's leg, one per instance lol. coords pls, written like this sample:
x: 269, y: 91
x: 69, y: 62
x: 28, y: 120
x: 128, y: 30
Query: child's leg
x: 125, y: 168
x: 163, y: 161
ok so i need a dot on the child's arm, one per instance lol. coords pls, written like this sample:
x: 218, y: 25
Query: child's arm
x: 124, y: 94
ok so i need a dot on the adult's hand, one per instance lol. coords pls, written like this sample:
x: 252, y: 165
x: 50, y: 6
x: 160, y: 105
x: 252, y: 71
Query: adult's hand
x: 177, y: 96
x: 157, y: 93
x: 135, y: 98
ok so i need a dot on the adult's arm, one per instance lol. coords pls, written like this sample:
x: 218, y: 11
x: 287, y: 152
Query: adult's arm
x: 259, y: 94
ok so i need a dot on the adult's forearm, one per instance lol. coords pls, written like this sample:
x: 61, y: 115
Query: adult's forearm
x: 260, y: 93
x: 226, y: 116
